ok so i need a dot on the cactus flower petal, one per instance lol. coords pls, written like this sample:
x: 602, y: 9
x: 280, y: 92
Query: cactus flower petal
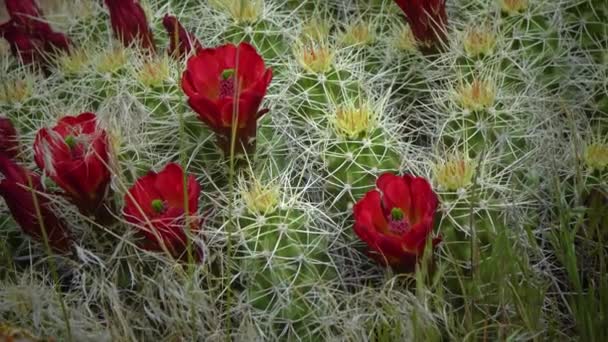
x: 18, y: 188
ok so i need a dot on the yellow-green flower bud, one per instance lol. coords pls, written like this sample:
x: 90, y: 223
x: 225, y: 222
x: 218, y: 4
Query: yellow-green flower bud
x: 455, y: 173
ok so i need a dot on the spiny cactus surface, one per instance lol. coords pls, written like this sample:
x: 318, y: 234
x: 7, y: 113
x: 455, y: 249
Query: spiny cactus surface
x: 319, y: 170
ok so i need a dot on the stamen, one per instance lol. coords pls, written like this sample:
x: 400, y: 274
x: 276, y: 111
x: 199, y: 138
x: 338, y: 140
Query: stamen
x: 228, y: 73
x: 158, y: 205
x: 70, y: 141
x: 397, y: 214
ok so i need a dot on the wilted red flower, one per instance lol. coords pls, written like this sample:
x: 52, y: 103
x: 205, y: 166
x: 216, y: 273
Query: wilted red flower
x: 22, y: 44
x: 25, y: 13
x: 225, y: 82
x: 8, y: 138
x: 427, y: 19
x: 23, y: 194
x: 130, y: 24
x: 29, y: 36
x: 396, y: 221
x: 181, y: 41
x: 74, y: 154
x: 156, y: 206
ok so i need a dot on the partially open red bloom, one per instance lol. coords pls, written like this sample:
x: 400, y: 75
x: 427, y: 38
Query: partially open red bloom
x: 427, y: 19
x: 29, y: 36
x: 156, y: 206
x: 129, y: 23
x: 8, y: 138
x: 396, y: 221
x: 181, y: 41
x: 22, y: 192
x: 227, y: 84
x: 74, y: 154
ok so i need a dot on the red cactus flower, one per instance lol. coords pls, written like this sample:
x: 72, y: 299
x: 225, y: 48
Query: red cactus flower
x: 74, y: 154
x: 156, y: 206
x: 130, y: 24
x: 181, y: 41
x: 8, y: 138
x: 23, y: 194
x: 396, y: 221
x: 427, y: 19
x: 227, y: 84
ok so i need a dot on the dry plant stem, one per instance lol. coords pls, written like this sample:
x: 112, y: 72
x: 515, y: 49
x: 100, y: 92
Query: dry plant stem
x: 231, y: 187
x: 6, y: 251
x: 474, y: 243
x: 187, y: 222
x: 51, y: 261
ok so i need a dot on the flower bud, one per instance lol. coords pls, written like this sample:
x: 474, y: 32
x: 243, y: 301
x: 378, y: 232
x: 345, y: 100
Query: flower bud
x: 477, y: 95
x: 404, y: 39
x: 353, y: 122
x: 153, y: 73
x: 316, y: 30
x: 15, y: 91
x: 75, y: 62
x: 315, y: 58
x: 130, y: 24
x: 261, y: 199
x: 358, y: 34
x: 512, y: 7
x: 241, y: 11
x: 479, y: 41
x: 455, y: 173
x: 112, y: 61
x: 181, y: 42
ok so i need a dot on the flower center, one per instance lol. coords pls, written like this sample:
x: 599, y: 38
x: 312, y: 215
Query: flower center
x: 227, y: 83
x: 77, y: 150
x: 397, y: 223
x: 70, y: 141
x: 158, y: 206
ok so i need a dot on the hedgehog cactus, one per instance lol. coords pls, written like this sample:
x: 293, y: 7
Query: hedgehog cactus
x: 356, y: 152
x: 284, y: 261
x: 319, y: 170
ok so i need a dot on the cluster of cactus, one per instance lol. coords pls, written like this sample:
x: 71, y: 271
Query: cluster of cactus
x: 494, y: 113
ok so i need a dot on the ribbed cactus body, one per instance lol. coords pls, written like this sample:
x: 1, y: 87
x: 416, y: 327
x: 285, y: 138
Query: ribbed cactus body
x: 353, y: 165
x: 266, y: 36
x: 314, y: 93
x: 286, y: 267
